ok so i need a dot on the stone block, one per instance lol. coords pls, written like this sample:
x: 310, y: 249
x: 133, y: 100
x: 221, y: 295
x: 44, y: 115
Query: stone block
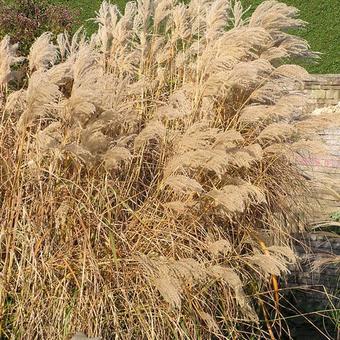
x: 319, y: 94
x: 330, y: 94
x: 337, y: 94
x: 327, y: 87
x: 312, y: 86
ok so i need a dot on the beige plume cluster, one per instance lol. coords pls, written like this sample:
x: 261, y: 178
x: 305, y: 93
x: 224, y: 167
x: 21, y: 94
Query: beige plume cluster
x: 141, y: 166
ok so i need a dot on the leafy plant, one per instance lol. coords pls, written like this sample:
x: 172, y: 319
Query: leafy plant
x: 25, y: 20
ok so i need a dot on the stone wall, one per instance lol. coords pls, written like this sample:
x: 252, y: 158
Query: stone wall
x: 323, y: 89
x: 313, y: 287
x: 324, y: 169
x: 312, y: 248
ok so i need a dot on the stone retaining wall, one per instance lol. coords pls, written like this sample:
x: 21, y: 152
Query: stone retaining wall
x: 311, y: 247
x: 324, y: 90
x: 312, y: 290
x: 315, y: 288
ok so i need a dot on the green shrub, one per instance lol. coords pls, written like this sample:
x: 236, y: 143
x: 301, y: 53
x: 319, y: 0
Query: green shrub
x: 25, y: 20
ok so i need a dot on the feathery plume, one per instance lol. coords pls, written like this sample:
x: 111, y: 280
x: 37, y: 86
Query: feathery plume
x: 276, y: 132
x: 183, y: 184
x: 43, y: 53
x: 234, y: 198
x: 8, y: 57
x: 219, y: 247
x: 154, y: 129
x: 114, y: 156
x: 41, y: 98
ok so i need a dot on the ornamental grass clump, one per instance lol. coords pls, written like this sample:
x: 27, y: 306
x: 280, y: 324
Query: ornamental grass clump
x: 148, y: 185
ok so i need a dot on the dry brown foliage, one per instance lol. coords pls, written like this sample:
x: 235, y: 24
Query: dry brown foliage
x: 141, y: 168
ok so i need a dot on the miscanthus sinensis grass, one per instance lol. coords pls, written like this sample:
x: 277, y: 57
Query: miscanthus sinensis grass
x: 148, y: 187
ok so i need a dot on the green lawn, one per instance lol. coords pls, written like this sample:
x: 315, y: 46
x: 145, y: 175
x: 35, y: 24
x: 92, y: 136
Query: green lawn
x: 87, y: 8
x: 323, y: 31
